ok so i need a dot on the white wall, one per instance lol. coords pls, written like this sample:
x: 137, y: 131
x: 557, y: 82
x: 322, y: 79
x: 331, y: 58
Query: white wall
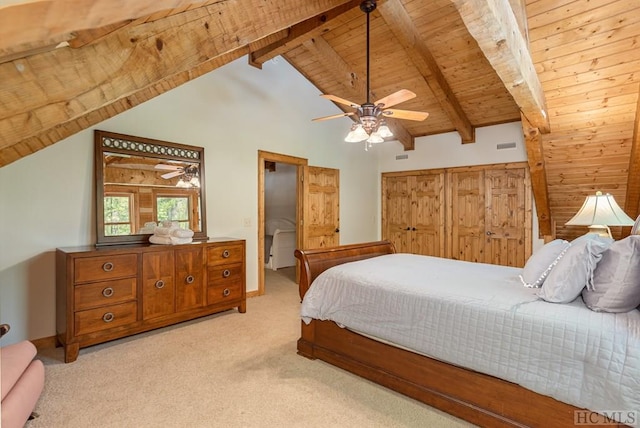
x: 47, y: 199
x: 447, y: 150
x: 280, y: 192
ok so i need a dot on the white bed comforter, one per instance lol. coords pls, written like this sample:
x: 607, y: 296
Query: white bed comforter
x: 480, y: 317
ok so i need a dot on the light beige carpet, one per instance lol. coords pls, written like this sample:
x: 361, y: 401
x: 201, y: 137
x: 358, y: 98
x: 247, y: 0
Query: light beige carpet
x: 226, y: 370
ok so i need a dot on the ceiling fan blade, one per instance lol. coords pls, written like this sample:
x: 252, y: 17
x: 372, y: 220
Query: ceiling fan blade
x: 172, y: 174
x: 167, y: 167
x: 405, y: 114
x: 340, y: 100
x: 335, y: 116
x: 396, y: 98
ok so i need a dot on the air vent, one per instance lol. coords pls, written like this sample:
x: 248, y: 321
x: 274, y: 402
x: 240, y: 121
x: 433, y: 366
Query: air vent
x: 400, y: 157
x: 504, y: 146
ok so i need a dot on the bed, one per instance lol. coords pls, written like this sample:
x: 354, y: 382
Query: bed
x: 479, y: 394
x: 280, y: 241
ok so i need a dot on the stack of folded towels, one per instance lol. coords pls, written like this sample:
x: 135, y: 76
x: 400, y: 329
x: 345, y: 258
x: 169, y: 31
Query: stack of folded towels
x: 169, y: 233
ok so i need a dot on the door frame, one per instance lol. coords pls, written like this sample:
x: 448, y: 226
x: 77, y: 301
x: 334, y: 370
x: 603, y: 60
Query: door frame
x: 264, y: 156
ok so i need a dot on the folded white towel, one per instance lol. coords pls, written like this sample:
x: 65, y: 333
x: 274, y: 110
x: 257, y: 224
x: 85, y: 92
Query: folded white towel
x: 164, y: 240
x: 182, y: 233
x: 177, y: 241
x: 162, y: 231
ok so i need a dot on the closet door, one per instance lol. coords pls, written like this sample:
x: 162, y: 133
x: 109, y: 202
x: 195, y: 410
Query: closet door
x: 427, y: 214
x: 490, y: 214
x: 396, y: 212
x: 413, y: 212
x: 466, y: 207
x: 508, y: 216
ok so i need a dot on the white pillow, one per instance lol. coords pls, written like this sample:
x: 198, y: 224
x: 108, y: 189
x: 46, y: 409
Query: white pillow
x: 616, y: 281
x: 574, y: 270
x: 541, y: 262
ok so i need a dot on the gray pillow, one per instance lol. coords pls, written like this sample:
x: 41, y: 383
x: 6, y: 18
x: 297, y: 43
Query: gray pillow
x: 541, y: 262
x: 616, y: 281
x: 574, y: 270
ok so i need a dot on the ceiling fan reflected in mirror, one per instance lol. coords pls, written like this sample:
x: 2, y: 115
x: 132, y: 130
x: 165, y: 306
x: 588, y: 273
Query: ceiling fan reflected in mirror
x: 370, y: 125
x: 189, y: 174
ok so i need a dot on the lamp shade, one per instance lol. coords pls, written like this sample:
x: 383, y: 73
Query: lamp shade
x: 602, y: 210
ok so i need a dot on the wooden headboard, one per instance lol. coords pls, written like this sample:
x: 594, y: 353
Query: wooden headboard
x: 314, y: 262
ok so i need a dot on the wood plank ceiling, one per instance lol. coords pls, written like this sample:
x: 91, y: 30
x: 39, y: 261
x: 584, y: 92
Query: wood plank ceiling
x: 66, y: 65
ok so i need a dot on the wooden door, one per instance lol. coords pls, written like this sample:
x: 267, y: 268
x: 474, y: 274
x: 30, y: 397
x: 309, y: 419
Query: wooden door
x: 189, y: 279
x: 321, y: 207
x: 427, y: 214
x: 396, y: 211
x: 466, y: 217
x: 507, y: 220
x: 158, y: 287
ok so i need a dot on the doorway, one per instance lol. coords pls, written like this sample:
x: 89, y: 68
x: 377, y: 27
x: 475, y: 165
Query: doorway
x: 266, y: 161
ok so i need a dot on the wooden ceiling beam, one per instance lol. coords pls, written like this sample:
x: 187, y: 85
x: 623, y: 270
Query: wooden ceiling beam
x: 24, y: 25
x: 299, y: 33
x: 354, y: 87
x: 493, y: 25
x: 535, y: 158
x: 90, y: 84
x: 405, y: 31
x: 632, y: 201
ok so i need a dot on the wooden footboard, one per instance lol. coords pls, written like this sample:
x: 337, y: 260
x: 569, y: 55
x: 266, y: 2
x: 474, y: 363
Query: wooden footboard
x: 480, y: 399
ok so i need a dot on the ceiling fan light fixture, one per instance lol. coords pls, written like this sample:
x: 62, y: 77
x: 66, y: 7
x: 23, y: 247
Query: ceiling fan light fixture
x: 356, y: 134
x: 375, y: 138
x: 370, y: 125
x: 383, y: 130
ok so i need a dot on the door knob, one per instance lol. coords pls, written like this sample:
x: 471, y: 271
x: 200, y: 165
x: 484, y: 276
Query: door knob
x: 489, y: 233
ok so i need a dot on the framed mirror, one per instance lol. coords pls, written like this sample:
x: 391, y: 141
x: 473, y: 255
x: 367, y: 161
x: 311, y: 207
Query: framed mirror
x: 141, y: 182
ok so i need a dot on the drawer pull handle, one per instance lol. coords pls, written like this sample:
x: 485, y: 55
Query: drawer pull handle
x: 107, y: 292
x: 189, y: 279
x: 226, y: 254
x: 107, y: 267
x: 226, y: 292
x: 159, y: 284
x: 226, y: 273
x: 108, y: 317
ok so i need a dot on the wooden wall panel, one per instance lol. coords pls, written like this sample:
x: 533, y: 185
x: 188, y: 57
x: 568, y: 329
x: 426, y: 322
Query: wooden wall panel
x: 588, y: 62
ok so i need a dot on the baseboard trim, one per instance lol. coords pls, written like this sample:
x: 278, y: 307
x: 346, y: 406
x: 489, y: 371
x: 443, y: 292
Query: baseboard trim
x: 45, y: 343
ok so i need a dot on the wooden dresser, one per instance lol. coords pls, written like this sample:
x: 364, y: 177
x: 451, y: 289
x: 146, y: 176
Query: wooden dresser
x: 112, y: 292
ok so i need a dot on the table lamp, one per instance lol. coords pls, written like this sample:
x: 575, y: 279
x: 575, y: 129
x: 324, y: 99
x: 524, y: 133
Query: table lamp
x: 599, y: 212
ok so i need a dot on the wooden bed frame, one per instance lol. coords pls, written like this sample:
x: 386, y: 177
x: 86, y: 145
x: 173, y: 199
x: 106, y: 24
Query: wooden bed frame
x: 475, y: 397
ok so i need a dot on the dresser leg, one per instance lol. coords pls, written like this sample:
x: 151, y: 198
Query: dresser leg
x: 71, y: 351
x: 242, y: 308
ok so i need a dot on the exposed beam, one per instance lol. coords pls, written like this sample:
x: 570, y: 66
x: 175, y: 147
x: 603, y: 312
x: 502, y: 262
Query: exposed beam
x: 493, y: 25
x: 355, y: 87
x: 632, y: 202
x: 25, y: 25
x: 405, y: 31
x: 299, y: 33
x: 50, y: 96
x: 535, y: 158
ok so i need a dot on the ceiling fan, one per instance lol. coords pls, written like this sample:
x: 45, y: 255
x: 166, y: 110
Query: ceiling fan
x: 371, y: 125
x: 189, y: 174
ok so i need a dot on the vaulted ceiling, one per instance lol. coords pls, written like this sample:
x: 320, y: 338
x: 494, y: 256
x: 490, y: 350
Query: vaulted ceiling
x: 569, y: 70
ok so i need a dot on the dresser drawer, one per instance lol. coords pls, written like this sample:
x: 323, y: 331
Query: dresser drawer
x: 104, y: 293
x: 222, y: 292
x: 105, y: 267
x: 224, y: 274
x: 104, y: 318
x: 232, y: 253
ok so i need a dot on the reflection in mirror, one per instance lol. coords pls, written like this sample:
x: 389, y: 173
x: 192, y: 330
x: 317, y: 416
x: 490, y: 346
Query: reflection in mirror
x: 141, y: 182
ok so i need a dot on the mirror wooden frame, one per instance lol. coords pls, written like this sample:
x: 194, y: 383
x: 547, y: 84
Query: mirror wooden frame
x: 109, y: 142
